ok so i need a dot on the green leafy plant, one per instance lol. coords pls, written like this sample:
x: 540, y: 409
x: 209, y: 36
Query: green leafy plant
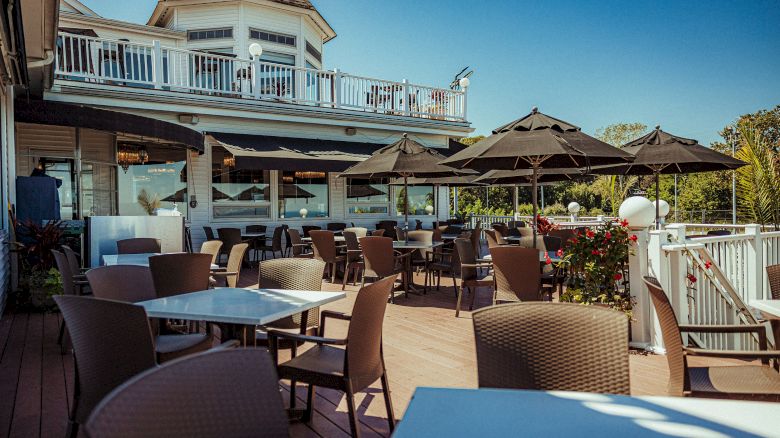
x: 758, y: 183
x: 38, y: 278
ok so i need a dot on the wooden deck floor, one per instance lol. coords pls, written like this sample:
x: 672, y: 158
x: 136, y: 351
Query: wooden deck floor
x: 424, y: 344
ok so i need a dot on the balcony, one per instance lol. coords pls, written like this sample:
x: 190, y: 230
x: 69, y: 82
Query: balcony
x: 152, y: 66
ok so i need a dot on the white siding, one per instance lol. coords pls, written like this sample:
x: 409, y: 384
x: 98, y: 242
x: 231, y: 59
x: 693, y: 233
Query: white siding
x: 42, y: 140
x: 209, y: 17
x: 117, y: 32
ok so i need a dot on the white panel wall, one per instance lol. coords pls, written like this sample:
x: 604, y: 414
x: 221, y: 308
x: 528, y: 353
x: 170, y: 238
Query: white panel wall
x: 209, y: 17
x: 53, y: 141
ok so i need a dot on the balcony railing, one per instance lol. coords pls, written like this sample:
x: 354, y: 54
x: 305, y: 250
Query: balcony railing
x: 153, y: 66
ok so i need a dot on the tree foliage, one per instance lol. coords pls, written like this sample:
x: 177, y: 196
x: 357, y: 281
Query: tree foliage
x: 758, y: 183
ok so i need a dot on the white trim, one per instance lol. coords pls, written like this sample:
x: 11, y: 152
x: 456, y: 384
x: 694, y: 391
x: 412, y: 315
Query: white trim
x: 119, y: 24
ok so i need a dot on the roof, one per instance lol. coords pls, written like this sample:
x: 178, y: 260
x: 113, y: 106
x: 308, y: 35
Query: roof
x: 305, y: 4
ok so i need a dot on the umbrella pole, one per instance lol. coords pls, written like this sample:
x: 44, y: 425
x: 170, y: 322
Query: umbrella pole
x: 406, y: 210
x: 657, y: 204
x: 533, y: 199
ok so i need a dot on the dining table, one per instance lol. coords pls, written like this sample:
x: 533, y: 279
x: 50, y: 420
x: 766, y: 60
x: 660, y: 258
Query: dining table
x: 512, y: 412
x: 408, y: 247
x: 770, y: 310
x: 336, y: 238
x: 135, y: 259
x: 239, y: 310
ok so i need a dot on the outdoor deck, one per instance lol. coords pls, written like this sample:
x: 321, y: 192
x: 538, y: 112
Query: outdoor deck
x: 424, y: 344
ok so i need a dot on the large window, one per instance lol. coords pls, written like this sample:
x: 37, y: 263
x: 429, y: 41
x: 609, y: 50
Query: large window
x: 303, y: 194
x: 210, y: 34
x: 368, y: 196
x: 421, y: 200
x: 160, y: 181
x: 238, y: 193
x: 272, y: 37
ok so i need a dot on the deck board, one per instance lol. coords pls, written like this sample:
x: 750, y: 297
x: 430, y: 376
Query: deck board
x: 27, y: 419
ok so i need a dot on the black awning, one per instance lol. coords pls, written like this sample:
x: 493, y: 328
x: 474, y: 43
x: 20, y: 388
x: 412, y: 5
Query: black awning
x: 290, y: 153
x: 49, y: 112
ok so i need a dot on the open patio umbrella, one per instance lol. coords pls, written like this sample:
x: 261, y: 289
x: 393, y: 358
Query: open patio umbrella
x: 660, y: 152
x: 524, y: 177
x: 363, y: 191
x: 534, y: 142
x: 403, y: 159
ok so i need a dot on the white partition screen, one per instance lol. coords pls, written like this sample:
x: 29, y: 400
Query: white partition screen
x: 102, y: 233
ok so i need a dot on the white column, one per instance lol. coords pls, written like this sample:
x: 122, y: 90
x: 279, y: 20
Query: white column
x: 658, y: 268
x: 157, y: 64
x: 642, y: 324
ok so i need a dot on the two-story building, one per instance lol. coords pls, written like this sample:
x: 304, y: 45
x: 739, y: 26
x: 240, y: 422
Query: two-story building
x: 227, y: 110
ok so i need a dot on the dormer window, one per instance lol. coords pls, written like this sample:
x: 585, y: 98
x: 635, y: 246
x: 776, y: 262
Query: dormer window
x: 209, y: 34
x: 272, y: 37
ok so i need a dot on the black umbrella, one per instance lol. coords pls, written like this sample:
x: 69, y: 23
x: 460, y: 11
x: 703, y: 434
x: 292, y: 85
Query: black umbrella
x: 403, y: 159
x: 363, y: 191
x: 449, y: 181
x: 660, y: 152
x: 534, y: 142
x: 524, y: 177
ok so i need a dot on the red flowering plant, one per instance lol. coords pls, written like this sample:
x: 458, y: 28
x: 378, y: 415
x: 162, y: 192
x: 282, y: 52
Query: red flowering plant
x: 543, y: 225
x: 597, y: 259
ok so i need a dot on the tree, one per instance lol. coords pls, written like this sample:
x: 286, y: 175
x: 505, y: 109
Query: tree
x: 616, y: 188
x: 758, y: 184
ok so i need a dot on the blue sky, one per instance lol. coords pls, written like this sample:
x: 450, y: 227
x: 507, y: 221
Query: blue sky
x: 691, y: 67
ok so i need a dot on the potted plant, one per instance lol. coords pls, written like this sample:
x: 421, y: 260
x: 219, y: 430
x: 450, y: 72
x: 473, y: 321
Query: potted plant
x: 597, y: 260
x: 39, y: 280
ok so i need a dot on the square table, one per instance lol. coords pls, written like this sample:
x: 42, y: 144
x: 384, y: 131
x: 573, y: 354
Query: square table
x: 503, y: 412
x: 134, y: 259
x: 409, y: 247
x: 239, y: 308
x: 552, y: 254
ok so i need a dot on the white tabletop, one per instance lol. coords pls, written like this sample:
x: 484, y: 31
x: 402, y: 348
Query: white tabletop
x: 252, y: 235
x: 133, y: 259
x: 502, y: 413
x: 238, y: 306
x: 769, y: 308
x: 400, y: 244
x: 335, y: 238
x: 552, y: 254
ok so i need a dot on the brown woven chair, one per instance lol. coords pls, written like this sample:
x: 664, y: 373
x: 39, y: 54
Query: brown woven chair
x: 552, y: 243
x: 209, y: 232
x: 256, y: 228
x: 378, y: 233
x: 175, y: 274
x: 233, y: 272
x: 443, y: 259
x: 299, y: 248
x: 275, y: 245
x: 324, y: 244
x: 476, y: 238
x: 309, y: 228
x: 552, y: 346
x: 354, y: 262
x: 139, y: 245
x: 229, y: 237
x: 70, y: 286
x: 335, y: 226
x: 292, y: 274
x: 494, y: 239
x: 564, y: 234
x: 501, y: 228
x: 380, y: 261
x: 773, y: 273
x: 112, y: 342
x: 420, y: 256
x: 350, y: 369
x: 389, y: 227
x: 517, y: 274
x: 400, y: 233
x: 360, y: 232
x: 469, y: 273
x: 73, y: 261
x: 169, y: 400
x: 750, y: 382
x: 132, y: 284
x: 213, y: 248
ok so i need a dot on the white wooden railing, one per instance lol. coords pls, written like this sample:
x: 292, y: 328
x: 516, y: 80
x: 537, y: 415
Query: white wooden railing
x: 141, y: 65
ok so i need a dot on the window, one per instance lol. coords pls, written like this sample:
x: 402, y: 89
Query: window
x: 274, y: 80
x: 209, y: 34
x: 303, y: 194
x: 278, y: 58
x: 311, y: 50
x: 420, y: 200
x: 238, y: 193
x: 163, y: 177
x: 368, y: 196
x: 272, y: 37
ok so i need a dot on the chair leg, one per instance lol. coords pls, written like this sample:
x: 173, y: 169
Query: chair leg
x: 344, y: 280
x: 454, y: 285
x: 73, y: 429
x: 388, y: 401
x: 353, y: 423
x: 355, y: 277
x: 459, y: 292
x: 473, y: 291
x: 62, y: 332
x: 307, y: 414
x: 333, y: 273
x: 292, y: 393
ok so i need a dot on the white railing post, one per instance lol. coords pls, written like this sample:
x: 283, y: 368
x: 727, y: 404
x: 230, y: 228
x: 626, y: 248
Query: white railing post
x: 465, y: 94
x: 755, y: 263
x: 338, y: 77
x: 406, y: 108
x: 642, y: 323
x: 157, y: 64
x: 658, y: 267
x: 256, y: 77
x: 678, y: 271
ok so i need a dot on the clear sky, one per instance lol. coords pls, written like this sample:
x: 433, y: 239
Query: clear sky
x: 691, y: 67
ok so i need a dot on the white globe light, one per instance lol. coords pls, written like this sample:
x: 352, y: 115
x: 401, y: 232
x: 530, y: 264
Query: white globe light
x: 573, y: 207
x: 464, y: 82
x: 303, y: 212
x: 255, y: 50
x: 638, y: 211
x: 663, y: 207
x: 429, y: 209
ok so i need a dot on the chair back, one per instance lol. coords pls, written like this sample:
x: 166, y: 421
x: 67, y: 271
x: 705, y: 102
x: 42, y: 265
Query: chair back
x: 138, y: 245
x: 422, y: 236
x: 492, y: 240
x: 359, y: 231
x: 335, y: 226
x: 235, y: 260
x: 308, y: 228
x: 209, y: 232
x: 400, y: 233
x: 292, y: 274
x: 211, y: 247
x: 128, y: 283
x: 73, y: 259
x: 229, y: 237
x: 364, y: 336
x: 169, y: 400
x: 353, y: 245
x: 388, y: 226
x: 552, y: 243
x: 476, y: 238
x: 501, y: 228
x: 378, y: 233
x: 112, y: 342
x: 466, y: 255
x: 564, y: 234
x: 276, y: 241
x: 175, y: 274
x: 68, y: 287
x: 294, y: 237
x: 324, y: 245
x: 378, y: 256
x: 517, y: 273
x: 773, y: 272
x: 552, y: 346
x: 256, y: 228
x: 670, y: 330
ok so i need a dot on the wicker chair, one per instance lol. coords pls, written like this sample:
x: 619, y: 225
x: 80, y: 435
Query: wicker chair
x: 112, y: 342
x: 389, y: 227
x: 256, y: 228
x: 169, y: 400
x: 324, y: 245
x: 469, y: 273
x: 552, y: 243
x: 501, y: 228
x: 335, y: 226
x: 400, y: 233
x: 132, y: 284
x: 354, y: 262
x: 517, y: 274
x: 442, y: 260
x: 380, y: 261
x: 74, y: 263
x: 139, y: 245
x: 298, y: 247
x: 350, y: 369
x: 773, y: 272
x: 552, y: 346
x: 209, y: 232
x: 175, y: 274
x: 292, y: 274
x: 211, y: 247
x: 229, y: 237
x: 276, y: 243
x: 360, y: 232
x: 564, y: 234
x: 233, y: 272
x: 476, y: 238
x: 70, y: 286
x: 309, y: 228
x: 420, y: 256
x: 750, y: 382
x: 378, y: 233
x: 494, y: 239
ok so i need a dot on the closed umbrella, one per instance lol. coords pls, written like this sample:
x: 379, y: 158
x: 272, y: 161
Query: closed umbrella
x: 537, y: 141
x: 662, y: 153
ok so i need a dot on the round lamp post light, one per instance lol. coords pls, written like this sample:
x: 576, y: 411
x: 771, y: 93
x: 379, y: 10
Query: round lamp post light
x: 464, y: 83
x: 638, y: 211
x: 663, y: 210
x: 574, y: 209
x: 255, y: 50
